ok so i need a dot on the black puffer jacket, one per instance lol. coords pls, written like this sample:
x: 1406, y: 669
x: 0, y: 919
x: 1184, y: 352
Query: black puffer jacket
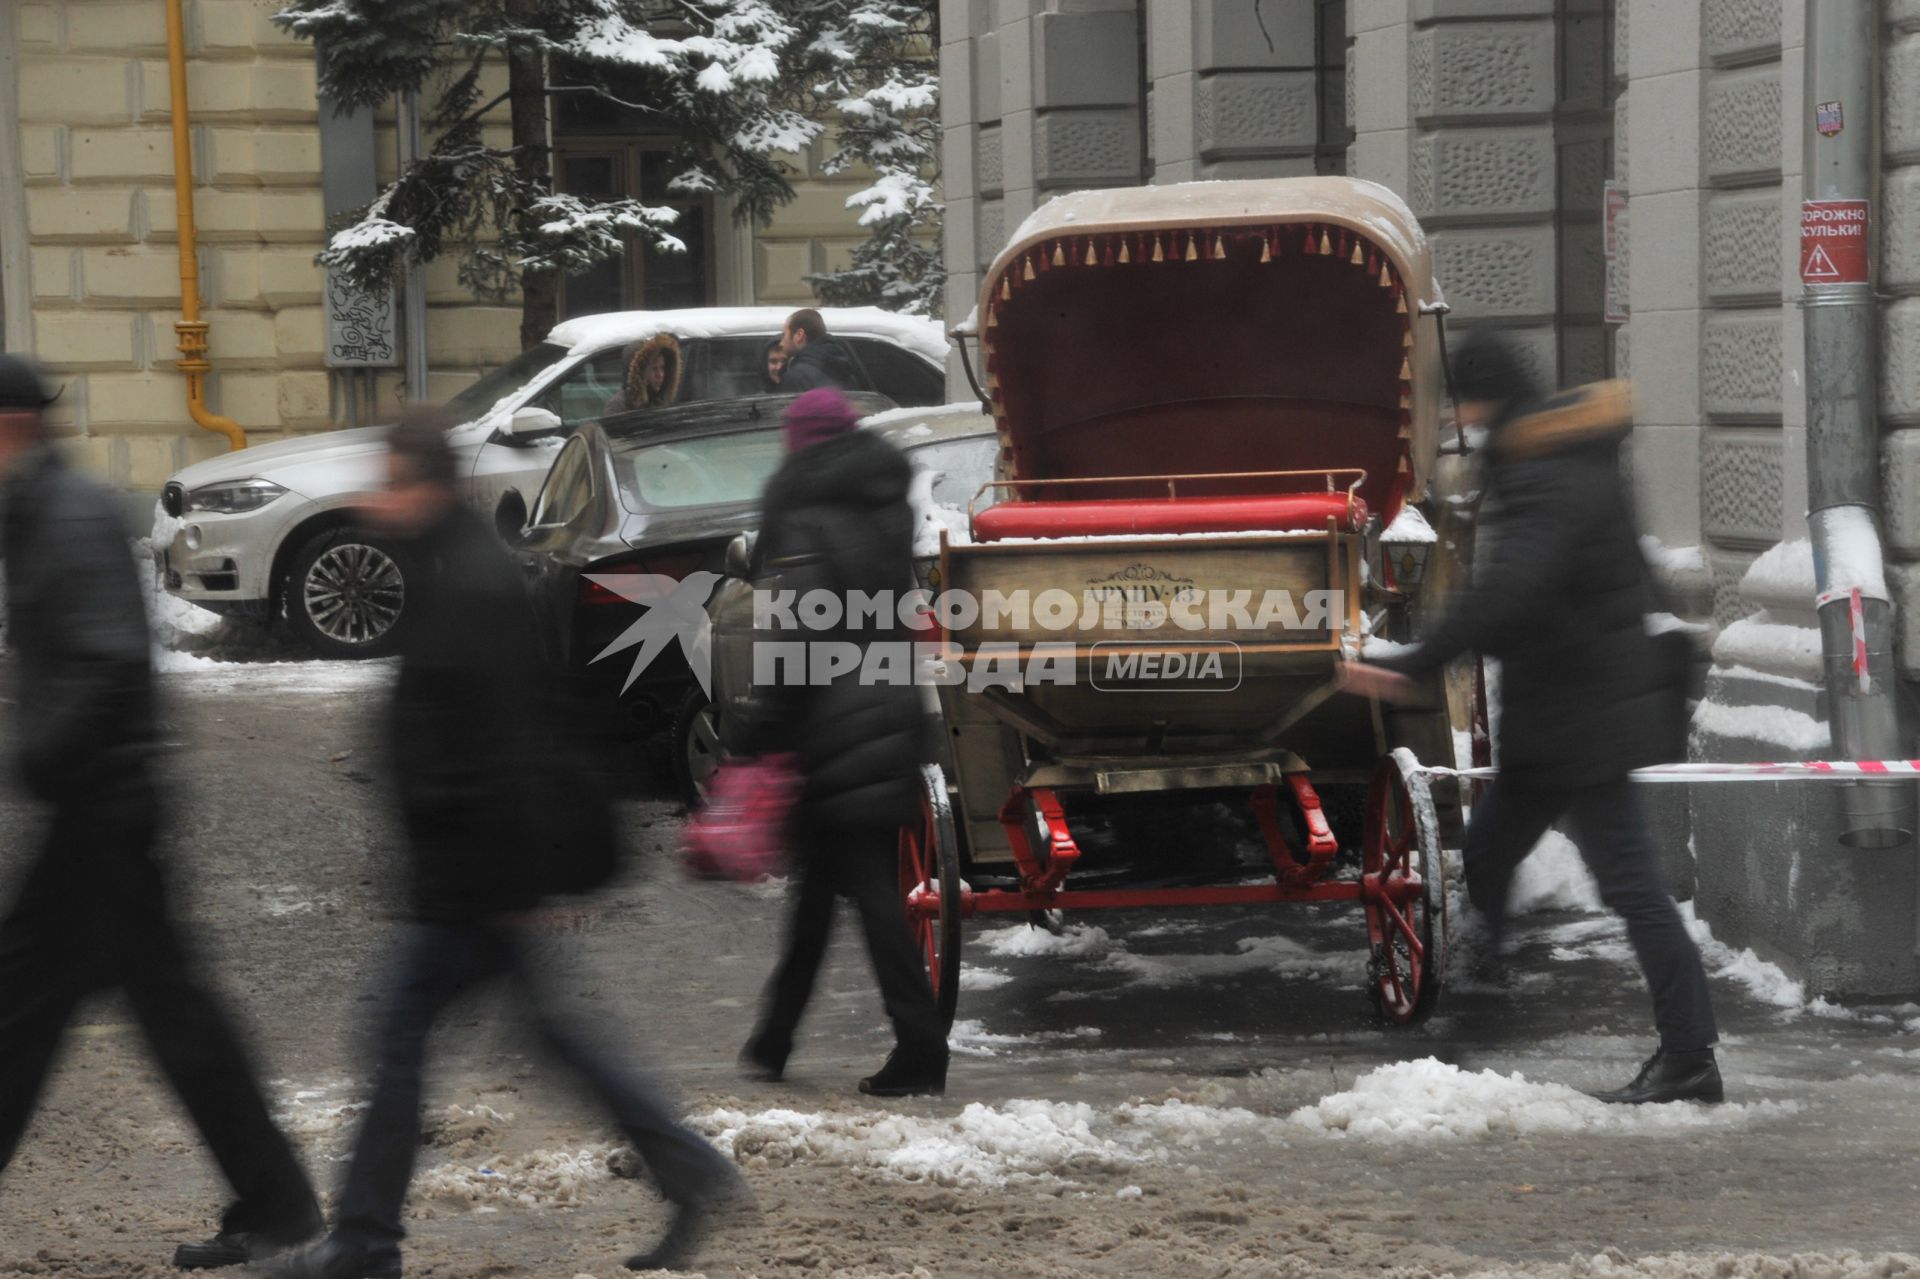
x: 1560, y: 595
x: 818, y: 364
x: 836, y: 519
x: 467, y: 723
x: 75, y: 619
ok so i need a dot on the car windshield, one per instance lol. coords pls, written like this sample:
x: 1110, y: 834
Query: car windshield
x: 509, y: 377
x: 706, y: 470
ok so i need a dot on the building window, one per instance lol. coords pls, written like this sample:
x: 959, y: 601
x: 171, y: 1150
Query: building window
x: 604, y: 149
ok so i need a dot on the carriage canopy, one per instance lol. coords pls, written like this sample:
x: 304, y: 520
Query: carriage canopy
x: 1229, y: 330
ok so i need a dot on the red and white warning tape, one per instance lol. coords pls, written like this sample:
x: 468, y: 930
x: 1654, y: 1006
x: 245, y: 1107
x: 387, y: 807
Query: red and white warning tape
x: 1822, y: 770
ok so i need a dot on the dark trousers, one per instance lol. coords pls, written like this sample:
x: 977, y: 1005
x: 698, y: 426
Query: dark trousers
x: 92, y: 916
x: 437, y: 962
x: 1611, y: 830
x: 862, y: 866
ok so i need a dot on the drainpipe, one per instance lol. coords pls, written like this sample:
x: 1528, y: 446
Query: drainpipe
x: 1841, y: 113
x: 192, y: 330
x: 414, y: 287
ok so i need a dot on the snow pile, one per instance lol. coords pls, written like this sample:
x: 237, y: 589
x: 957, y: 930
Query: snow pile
x: 1780, y: 726
x: 1553, y: 877
x: 1429, y: 1100
x: 1280, y: 956
x: 972, y: 978
x: 1770, y: 645
x: 1784, y: 571
x: 931, y: 518
x: 1766, y: 982
x: 1076, y: 941
x: 1614, y: 1264
x: 1853, y: 551
x: 1672, y: 560
x: 542, y: 1179
x: 1409, y: 527
x: 1186, y: 1124
x: 982, y: 1146
x: 973, y: 1039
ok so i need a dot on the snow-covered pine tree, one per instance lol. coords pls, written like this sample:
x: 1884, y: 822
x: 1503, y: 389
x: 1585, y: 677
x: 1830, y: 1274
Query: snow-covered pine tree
x: 740, y: 83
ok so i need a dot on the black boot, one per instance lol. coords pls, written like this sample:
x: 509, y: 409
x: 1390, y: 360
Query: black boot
x: 693, y: 1221
x: 238, y: 1247
x: 764, y: 1060
x: 334, y: 1258
x: 909, y: 1072
x: 1672, y: 1076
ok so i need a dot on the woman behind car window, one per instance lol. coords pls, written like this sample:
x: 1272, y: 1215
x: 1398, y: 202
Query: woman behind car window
x: 653, y: 375
x: 775, y: 366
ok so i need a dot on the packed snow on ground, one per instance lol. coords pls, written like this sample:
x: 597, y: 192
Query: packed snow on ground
x: 1615, y: 1264
x: 984, y: 1147
x: 972, y: 1038
x: 1279, y: 956
x: 972, y: 978
x: 1076, y: 941
x: 541, y: 1179
x: 1429, y: 1100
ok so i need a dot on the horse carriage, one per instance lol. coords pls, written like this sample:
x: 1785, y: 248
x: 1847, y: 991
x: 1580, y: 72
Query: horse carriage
x: 1217, y: 411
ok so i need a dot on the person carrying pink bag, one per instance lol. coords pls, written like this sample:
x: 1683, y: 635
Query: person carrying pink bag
x: 836, y: 519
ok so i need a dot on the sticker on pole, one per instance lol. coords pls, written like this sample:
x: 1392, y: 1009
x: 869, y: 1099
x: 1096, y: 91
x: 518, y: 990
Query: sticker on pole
x: 1833, y: 241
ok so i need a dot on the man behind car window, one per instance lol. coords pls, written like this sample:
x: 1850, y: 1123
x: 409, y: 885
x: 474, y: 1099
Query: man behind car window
x: 814, y: 359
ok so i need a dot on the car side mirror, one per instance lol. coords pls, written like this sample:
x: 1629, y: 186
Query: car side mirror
x: 529, y: 421
x: 510, y: 518
x: 739, y: 557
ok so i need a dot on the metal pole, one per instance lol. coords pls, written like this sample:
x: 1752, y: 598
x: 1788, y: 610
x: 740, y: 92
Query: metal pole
x: 414, y: 289
x: 1841, y: 116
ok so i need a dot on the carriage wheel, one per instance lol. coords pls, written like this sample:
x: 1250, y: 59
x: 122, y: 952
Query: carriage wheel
x: 1405, y: 904
x: 930, y: 888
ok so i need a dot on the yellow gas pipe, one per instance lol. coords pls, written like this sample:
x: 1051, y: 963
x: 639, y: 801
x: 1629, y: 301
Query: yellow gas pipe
x: 191, y: 329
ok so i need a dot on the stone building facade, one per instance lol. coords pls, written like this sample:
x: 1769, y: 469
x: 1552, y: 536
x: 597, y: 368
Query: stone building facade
x: 1512, y: 127
x: 89, y: 275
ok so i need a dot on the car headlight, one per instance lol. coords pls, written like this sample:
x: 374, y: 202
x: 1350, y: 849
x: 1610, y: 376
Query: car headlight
x: 231, y: 497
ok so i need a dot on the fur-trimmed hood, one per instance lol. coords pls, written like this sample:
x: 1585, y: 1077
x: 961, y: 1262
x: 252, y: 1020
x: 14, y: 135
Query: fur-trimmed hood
x: 663, y: 346
x: 1584, y: 415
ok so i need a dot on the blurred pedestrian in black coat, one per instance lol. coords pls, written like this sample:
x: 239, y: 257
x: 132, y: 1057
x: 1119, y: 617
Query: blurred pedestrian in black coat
x: 92, y: 912
x: 1560, y: 597
x: 471, y: 734
x: 836, y: 520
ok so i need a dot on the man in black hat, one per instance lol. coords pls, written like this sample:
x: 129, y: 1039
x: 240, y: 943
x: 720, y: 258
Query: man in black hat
x: 1560, y: 597
x: 91, y: 912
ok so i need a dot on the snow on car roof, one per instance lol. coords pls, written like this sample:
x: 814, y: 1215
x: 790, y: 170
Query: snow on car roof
x: 593, y: 332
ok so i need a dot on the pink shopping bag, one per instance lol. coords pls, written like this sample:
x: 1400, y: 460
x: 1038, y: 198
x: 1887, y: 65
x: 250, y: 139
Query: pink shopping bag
x: 740, y: 833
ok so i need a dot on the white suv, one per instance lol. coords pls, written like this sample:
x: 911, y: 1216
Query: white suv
x: 269, y: 531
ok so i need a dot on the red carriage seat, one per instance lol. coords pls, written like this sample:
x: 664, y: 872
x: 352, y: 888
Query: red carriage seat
x: 1243, y: 513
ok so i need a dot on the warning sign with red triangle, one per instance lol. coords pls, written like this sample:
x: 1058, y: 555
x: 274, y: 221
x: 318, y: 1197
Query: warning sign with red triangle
x: 1819, y: 266
x: 1833, y: 242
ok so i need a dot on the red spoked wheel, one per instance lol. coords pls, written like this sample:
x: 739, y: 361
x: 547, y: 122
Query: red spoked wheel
x: 1402, y: 893
x: 930, y: 889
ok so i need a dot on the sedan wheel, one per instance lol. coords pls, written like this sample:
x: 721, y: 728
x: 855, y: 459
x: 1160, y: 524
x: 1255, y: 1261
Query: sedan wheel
x: 346, y: 595
x: 696, y: 745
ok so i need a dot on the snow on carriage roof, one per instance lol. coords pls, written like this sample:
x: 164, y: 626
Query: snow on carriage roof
x: 922, y: 336
x: 1368, y: 206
